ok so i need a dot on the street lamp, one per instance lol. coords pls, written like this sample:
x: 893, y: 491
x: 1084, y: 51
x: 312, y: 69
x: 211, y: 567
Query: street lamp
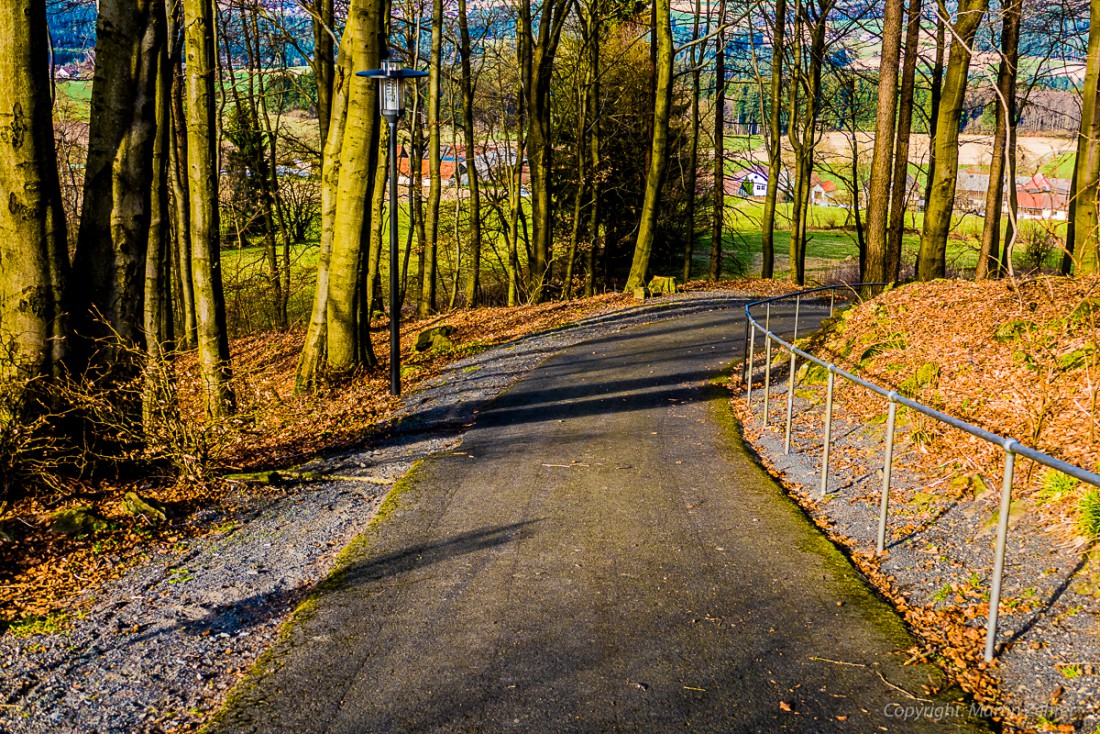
x: 391, y: 103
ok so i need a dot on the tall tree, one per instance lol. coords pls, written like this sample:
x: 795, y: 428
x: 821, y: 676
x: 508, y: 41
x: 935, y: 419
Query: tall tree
x: 203, y: 168
x: 539, y: 49
x: 334, y: 335
x: 932, y: 260
x: 323, y: 63
x: 465, y: 50
x: 935, y: 91
x: 658, y: 151
x: 114, y: 221
x: 1001, y: 167
x: 1087, y: 170
x: 775, y: 143
x: 882, y: 157
x: 718, y: 221
x: 426, y: 303
x: 899, y: 190
x: 33, y: 247
x: 695, y: 64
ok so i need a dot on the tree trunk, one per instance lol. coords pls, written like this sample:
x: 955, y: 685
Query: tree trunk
x: 473, y: 281
x: 718, y: 228
x: 1005, y: 99
x: 932, y: 262
x: 426, y: 303
x: 203, y: 168
x: 324, y: 60
x: 882, y: 158
x: 33, y: 246
x: 658, y: 150
x: 114, y: 221
x: 899, y: 190
x: 935, y: 92
x: 181, y: 197
x: 158, y: 313
x: 775, y: 148
x: 350, y: 157
x: 1086, y: 238
x: 693, y: 151
x: 592, y: 103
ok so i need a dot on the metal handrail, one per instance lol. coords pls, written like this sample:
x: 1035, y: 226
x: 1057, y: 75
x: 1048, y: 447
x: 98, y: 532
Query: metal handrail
x: 1011, y: 446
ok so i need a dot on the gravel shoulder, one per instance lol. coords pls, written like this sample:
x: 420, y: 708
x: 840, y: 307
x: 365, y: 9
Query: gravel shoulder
x: 940, y: 554
x: 156, y: 650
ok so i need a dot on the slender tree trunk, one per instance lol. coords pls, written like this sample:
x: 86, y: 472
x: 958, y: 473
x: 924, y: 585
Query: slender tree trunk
x: 658, y: 151
x: 593, y: 113
x: 935, y: 92
x: 202, y: 163
x: 775, y: 147
x: 718, y: 228
x: 1067, y: 254
x: 33, y: 246
x: 426, y: 303
x: 324, y: 59
x: 181, y: 197
x: 158, y: 313
x: 1086, y: 238
x: 693, y: 151
x: 581, y: 189
x: 932, y: 262
x: 900, y: 186
x: 1005, y: 100
x: 473, y: 280
x: 882, y: 158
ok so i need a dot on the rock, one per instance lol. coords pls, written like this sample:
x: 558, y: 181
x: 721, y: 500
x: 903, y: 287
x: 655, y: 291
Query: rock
x: 641, y: 293
x: 662, y: 284
x: 151, y: 510
x: 437, y: 337
x: 78, y: 521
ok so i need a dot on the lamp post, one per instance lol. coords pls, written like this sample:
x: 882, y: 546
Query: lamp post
x: 391, y: 104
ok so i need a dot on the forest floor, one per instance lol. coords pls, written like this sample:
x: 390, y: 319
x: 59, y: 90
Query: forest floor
x: 1018, y: 359
x: 143, y: 628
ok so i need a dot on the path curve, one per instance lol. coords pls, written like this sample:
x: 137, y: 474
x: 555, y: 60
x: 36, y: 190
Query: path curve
x: 600, y: 554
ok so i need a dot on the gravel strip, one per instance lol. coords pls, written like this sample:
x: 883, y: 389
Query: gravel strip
x: 156, y: 650
x: 940, y: 546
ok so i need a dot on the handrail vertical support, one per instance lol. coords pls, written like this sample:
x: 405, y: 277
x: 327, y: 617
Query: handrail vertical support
x: 745, y: 350
x: 748, y: 365
x: 790, y: 406
x: 887, y: 470
x: 999, y: 559
x: 767, y: 373
x: 832, y: 302
x: 828, y: 432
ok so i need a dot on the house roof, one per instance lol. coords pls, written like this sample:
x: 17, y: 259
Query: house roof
x: 1042, y: 200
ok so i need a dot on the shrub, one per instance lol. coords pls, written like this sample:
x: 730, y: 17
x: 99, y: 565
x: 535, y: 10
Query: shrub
x: 1088, y: 514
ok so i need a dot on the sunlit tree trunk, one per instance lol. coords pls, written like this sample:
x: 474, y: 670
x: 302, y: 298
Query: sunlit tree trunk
x: 177, y: 173
x: 775, y: 144
x: 882, y: 159
x: 935, y: 91
x: 324, y: 59
x: 932, y: 260
x: 1086, y: 237
x: 33, y: 248
x: 658, y: 152
x: 426, y: 303
x: 202, y: 164
x: 694, y: 59
x: 350, y: 158
x: 473, y: 279
x: 999, y: 171
x: 900, y: 176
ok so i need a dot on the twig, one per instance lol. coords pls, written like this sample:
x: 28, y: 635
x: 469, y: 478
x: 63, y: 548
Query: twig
x: 899, y: 689
x: 837, y: 662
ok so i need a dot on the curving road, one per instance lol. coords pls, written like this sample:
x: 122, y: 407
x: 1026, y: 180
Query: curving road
x: 601, y: 555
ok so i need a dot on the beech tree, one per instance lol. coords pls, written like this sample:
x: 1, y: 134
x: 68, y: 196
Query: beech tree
x: 932, y: 260
x: 33, y: 247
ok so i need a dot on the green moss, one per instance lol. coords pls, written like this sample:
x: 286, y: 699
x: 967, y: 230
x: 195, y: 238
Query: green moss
x: 1012, y: 330
x: 1077, y: 358
x: 48, y: 624
x: 895, y: 342
x: 927, y: 375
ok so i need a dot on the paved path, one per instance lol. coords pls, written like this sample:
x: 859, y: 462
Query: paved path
x: 601, y: 555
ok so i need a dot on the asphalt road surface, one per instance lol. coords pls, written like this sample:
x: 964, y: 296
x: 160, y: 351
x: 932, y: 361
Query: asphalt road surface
x: 601, y: 555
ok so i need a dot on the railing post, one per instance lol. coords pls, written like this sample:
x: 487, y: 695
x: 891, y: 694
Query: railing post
x: 1002, y: 541
x: 790, y: 379
x: 748, y: 370
x: 745, y: 351
x: 832, y: 302
x: 767, y: 373
x: 887, y: 469
x: 828, y: 432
